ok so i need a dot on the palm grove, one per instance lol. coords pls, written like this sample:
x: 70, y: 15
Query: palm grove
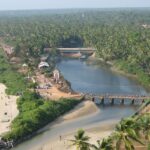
x: 118, y: 35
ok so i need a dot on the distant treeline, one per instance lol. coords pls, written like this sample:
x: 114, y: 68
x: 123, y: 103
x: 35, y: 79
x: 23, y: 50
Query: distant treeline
x: 118, y: 35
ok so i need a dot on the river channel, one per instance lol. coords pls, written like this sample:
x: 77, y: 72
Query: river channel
x: 89, y: 78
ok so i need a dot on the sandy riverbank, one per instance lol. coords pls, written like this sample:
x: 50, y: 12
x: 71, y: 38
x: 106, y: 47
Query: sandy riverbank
x: 55, y: 94
x: 83, y: 109
x: 8, y: 109
x: 65, y: 144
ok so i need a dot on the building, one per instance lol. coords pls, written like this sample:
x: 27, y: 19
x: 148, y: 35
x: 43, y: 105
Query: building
x: 56, y: 75
x: 43, y: 64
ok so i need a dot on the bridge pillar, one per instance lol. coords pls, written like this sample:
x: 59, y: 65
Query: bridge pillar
x: 112, y: 101
x: 102, y: 100
x: 122, y: 101
x: 133, y: 101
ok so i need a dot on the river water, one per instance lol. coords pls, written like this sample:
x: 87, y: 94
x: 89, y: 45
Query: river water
x: 96, y: 79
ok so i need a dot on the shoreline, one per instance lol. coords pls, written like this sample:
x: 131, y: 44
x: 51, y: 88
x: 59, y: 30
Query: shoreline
x: 112, y: 67
x: 64, y: 144
x: 8, y: 109
x: 56, y: 91
x: 79, y: 111
x: 115, y: 69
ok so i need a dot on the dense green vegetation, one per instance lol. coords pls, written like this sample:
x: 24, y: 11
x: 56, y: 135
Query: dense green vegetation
x: 117, y: 34
x: 13, y: 80
x: 35, y: 113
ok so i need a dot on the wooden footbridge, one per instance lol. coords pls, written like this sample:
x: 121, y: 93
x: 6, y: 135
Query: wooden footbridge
x: 116, y: 97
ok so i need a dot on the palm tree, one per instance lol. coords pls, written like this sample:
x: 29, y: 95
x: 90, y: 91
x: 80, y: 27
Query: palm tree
x: 126, y: 133
x: 144, y: 123
x: 105, y: 144
x: 81, y: 141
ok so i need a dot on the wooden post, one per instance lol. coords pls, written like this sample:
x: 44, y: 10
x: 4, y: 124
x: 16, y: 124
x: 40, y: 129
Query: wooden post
x: 132, y: 102
x: 122, y: 101
x: 112, y: 101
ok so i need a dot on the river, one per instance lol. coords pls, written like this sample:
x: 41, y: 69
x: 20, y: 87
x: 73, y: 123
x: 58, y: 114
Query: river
x: 94, y: 78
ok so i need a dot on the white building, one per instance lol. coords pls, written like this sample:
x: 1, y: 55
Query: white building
x: 56, y: 75
x: 43, y: 64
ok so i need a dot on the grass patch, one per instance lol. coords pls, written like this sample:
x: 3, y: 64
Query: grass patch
x: 14, y: 81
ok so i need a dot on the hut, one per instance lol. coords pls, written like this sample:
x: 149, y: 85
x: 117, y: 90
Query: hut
x: 43, y: 64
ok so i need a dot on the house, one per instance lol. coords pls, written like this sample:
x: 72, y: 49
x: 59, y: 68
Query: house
x: 146, y: 26
x: 43, y: 64
x: 56, y: 75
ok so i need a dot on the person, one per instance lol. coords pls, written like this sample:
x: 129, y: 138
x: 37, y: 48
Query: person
x: 60, y: 137
x: 93, y: 99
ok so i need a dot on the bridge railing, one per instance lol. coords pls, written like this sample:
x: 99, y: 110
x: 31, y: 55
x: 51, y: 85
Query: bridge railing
x: 110, y: 95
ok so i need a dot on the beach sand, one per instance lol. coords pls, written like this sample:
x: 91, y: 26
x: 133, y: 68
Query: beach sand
x: 65, y: 144
x: 94, y: 132
x: 8, y: 109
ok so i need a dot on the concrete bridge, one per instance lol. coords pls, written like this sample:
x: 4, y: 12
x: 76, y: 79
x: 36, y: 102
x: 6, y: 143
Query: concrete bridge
x: 116, y: 97
x: 76, y: 50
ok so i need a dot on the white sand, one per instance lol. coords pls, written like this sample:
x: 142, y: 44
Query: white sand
x: 8, y: 109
